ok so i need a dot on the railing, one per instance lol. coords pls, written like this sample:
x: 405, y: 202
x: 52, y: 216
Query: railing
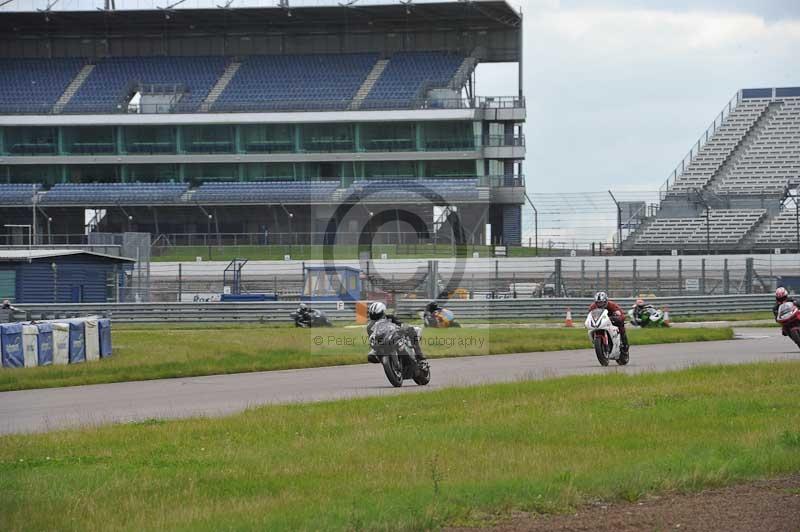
x: 285, y: 146
x: 555, y: 308
x: 278, y: 311
x: 697, y: 146
x: 483, y: 102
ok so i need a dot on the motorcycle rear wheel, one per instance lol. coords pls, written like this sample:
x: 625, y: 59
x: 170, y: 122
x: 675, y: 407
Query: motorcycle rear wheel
x: 393, y: 370
x: 600, y: 351
x: 794, y: 334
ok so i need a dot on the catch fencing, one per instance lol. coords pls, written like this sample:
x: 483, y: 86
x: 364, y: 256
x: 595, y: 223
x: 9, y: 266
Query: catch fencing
x: 278, y: 311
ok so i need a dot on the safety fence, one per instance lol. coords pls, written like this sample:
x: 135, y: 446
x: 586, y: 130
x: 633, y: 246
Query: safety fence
x: 555, y: 308
x: 278, y: 311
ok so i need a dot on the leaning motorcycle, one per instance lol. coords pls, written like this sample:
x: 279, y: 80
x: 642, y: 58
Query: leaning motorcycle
x: 605, y: 338
x: 789, y: 318
x: 394, y: 349
x: 315, y: 318
x: 441, y: 318
x: 651, y: 317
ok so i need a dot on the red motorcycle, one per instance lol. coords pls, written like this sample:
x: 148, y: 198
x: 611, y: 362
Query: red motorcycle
x: 789, y: 318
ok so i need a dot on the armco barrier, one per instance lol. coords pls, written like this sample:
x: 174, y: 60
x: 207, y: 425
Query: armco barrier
x: 278, y: 311
x: 252, y: 312
x: 555, y: 308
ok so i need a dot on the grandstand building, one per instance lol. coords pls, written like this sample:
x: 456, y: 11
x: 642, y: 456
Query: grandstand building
x: 737, y: 190
x: 283, y: 121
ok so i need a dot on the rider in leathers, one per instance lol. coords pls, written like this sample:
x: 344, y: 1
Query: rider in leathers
x: 377, y: 312
x: 616, y: 314
x: 781, y: 297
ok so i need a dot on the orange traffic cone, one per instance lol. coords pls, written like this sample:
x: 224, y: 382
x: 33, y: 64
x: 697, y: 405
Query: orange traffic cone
x: 568, y: 321
x: 666, y: 316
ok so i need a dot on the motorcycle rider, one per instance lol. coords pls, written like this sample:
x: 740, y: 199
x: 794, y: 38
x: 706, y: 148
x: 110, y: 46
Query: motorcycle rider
x: 638, y: 311
x: 617, y: 316
x: 6, y: 311
x: 376, y: 312
x: 781, y: 297
x: 429, y: 317
x: 303, y: 313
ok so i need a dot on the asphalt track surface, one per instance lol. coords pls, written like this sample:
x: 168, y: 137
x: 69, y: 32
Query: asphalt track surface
x: 56, y: 408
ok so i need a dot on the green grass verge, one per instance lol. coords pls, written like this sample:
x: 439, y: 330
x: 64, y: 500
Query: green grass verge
x: 412, y: 462
x: 341, y: 252
x: 736, y: 316
x: 180, y: 351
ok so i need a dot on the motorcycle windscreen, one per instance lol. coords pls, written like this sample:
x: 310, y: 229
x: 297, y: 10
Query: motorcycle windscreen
x: 786, y: 311
x: 597, y: 314
x: 383, y: 331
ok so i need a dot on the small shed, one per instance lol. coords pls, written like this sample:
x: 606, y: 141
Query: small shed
x: 61, y: 276
x: 331, y: 283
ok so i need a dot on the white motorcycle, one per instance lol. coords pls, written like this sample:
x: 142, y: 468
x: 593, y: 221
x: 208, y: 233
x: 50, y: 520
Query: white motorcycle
x: 605, y: 338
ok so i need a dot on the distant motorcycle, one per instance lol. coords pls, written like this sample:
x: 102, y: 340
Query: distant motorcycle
x: 313, y: 318
x: 394, y: 349
x: 440, y: 318
x: 789, y: 318
x: 650, y: 317
x: 605, y: 338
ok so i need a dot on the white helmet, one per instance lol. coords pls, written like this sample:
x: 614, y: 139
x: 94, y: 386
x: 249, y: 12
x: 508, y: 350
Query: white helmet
x: 601, y: 299
x: 376, y: 310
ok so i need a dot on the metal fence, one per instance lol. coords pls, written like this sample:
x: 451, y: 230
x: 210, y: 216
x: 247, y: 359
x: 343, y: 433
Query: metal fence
x: 278, y: 311
x: 490, y: 278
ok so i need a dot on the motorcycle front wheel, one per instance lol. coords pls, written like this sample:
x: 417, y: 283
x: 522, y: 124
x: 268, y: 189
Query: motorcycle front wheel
x: 423, y: 374
x: 393, y: 370
x: 600, y: 350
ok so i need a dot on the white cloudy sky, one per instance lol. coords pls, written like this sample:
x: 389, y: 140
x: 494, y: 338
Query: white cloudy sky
x: 618, y: 91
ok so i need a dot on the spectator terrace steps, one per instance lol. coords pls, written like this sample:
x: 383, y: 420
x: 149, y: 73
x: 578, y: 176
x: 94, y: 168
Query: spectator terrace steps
x: 73, y: 87
x: 369, y: 82
x: 222, y: 82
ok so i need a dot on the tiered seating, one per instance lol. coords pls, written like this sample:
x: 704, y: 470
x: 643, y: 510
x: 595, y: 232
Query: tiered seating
x: 295, y: 82
x: 34, y: 85
x: 727, y: 227
x: 781, y: 230
x: 108, y: 84
x: 668, y: 231
x: 772, y: 162
x: 412, y: 190
x: 113, y: 193
x: 17, y: 194
x: 720, y: 146
x: 265, y: 192
x: 408, y: 75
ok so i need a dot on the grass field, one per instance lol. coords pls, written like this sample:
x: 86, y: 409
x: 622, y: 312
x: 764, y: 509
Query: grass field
x: 157, y: 352
x: 342, y: 252
x: 412, y: 462
x: 736, y: 316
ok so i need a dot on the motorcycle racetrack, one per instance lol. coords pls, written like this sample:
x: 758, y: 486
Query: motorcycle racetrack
x: 42, y: 410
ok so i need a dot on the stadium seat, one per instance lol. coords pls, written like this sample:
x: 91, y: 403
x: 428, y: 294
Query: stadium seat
x: 113, y: 193
x: 34, y: 85
x: 17, y: 194
x: 114, y: 79
x: 266, y: 191
x: 408, y: 75
x: 295, y: 82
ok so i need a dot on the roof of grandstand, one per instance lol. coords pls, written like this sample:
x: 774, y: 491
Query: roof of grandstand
x: 497, y: 19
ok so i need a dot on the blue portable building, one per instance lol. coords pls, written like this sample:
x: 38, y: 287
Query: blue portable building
x: 61, y: 276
